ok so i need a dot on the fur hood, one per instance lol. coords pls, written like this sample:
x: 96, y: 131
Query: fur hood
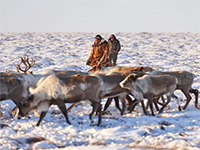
x: 112, y: 35
x: 100, y: 43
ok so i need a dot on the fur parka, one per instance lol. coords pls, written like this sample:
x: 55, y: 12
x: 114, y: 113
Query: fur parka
x: 99, y: 54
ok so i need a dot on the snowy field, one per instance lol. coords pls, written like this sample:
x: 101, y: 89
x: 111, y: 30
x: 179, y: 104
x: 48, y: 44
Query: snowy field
x: 165, y: 51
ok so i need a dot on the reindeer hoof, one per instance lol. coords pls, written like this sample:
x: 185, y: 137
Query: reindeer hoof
x: 106, y: 113
x: 69, y: 122
x: 197, y: 107
x: 92, y: 124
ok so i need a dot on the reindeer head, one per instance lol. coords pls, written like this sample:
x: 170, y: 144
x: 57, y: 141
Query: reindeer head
x: 25, y: 106
x: 128, y: 81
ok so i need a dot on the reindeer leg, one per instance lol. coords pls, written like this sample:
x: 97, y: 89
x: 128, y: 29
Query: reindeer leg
x: 187, y: 95
x: 100, y: 115
x: 134, y: 103
x: 177, y: 103
x: 117, y: 103
x: 92, y: 113
x: 148, y: 102
x: 196, y: 93
x: 144, y: 108
x: 70, y: 107
x: 129, y: 100
x: 163, y: 100
x: 62, y: 107
x: 168, y: 100
x: 155, y: 103
x: 42, y: 115
x: 108, y: 102
x: 123, y: 101
x: 147, y: 106
x: 151, y: 105
x: 161, y: 104
x: 174, y: 96
x: 95, y: 106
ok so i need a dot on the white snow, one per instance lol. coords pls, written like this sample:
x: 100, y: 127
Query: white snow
x: 165, y: 51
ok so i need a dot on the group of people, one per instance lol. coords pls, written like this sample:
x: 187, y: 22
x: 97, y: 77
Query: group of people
x: 104, y: 53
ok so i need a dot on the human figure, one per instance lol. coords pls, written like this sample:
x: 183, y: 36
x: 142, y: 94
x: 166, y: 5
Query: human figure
x: 99, y: 55
x: 114, y: 48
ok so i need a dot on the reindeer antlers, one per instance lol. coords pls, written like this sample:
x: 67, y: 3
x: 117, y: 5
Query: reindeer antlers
x: 26, y: 63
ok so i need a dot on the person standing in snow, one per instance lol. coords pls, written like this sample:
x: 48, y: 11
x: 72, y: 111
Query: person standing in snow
x: 99, y: 55
x: 114, y: 48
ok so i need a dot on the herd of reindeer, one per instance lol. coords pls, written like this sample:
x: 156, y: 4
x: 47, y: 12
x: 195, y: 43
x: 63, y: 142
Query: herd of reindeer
x: 128, y: 85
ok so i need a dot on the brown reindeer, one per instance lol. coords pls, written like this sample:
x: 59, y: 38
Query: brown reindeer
x: 185, y: 81
x: 14, y: 86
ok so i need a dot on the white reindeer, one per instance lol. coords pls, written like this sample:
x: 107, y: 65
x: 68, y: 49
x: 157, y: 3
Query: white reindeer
x: 150, y: 86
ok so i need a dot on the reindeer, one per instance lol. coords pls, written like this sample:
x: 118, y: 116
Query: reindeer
x: 28, y: 63
x: 140, y: 71
x: 15, y: 86
x: 149, y: 86
x: 59, y: 90
x: 185, y: 81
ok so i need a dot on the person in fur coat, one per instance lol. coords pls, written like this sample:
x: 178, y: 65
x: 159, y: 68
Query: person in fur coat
x: 99, y: 55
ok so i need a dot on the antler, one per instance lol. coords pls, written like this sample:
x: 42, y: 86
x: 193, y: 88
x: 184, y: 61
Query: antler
x: 26, y: 63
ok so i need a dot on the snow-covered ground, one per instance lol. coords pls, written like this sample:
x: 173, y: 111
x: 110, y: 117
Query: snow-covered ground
x: 165, y: 51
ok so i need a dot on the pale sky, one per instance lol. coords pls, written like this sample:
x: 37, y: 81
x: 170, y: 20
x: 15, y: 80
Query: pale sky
x: 99, y: 15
